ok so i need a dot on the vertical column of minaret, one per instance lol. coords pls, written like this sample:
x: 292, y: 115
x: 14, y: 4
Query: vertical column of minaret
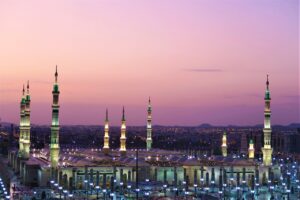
x: 251, y: 150
x: 267, y: 149
x: 123, y: 134
x: 149, y: 126
x: 54, y: 143
x: 106, y: 134
x: 224, y: 145
x: 26, y: 127
x: 22, y: 130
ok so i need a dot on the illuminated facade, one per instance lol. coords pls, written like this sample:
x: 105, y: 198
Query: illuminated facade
x: 106, y: 134
x: 224, y: 145
x: 26, y: 126
x: 54, y: 143
x: 267, y: 149
x: 123, y: 134
x: 251, y: 150
x: 149, y: 126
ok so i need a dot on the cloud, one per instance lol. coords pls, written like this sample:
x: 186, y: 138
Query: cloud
x: 291, y: 96
x: 10, y: 90
x: 203, y: 70
x: 42, y: 82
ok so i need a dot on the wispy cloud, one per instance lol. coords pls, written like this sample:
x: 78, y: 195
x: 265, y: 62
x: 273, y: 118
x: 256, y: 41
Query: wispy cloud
x: 9, y: 90
x: 41, y: 82
x: 291, y: 96
x: 203, y: 70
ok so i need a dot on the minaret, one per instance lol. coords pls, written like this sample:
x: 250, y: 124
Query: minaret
x: 26, y: 135
x: 123, y: 135
x: 106, y: 134
x: 54, y: 143
x: 267, y: 149
x: 251, y: 150
x: 149, y: 126
x: 224, y: 145
x: 22, y: 127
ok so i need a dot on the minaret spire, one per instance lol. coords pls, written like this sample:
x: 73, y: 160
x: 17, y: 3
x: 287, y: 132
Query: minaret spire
x: 106, y: 133
x: 106, y: 115
x: 123, y: 134
x: 28, y: 87
x: 23, y: 91
x: 149, y: 126
x: 123, y: 114
x: 267, y: 148
x: 56, y: 74
x: 54, y: 143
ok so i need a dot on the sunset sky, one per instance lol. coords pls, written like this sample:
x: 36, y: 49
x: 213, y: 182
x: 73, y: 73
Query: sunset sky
x: 201, y: 61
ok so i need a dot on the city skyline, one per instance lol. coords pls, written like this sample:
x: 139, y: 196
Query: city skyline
x: 195, y: 70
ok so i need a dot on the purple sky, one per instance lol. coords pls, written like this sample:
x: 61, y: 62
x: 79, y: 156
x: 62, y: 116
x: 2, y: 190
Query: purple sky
x: 201, y: 61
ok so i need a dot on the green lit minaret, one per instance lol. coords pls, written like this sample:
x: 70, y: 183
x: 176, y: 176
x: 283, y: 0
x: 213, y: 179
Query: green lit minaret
x: 267, y: 149
x: 149, y: 126
x: 22, y: 126
x: 54, y: 144
x: 26, y: 127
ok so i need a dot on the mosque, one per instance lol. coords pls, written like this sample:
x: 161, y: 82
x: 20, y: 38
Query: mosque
x: 75, y: 168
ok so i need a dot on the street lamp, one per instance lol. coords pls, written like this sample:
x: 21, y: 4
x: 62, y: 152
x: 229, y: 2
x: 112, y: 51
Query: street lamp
x: 195, y: 187
x: 104, y: 193
x: 60, y: 189
x: 70, y: 196
x: 220, y: 194
x: 238, y: 192
x: 147, y: 194
x: 129, y: 189
x: 97, y: 188
x: 112, y: 195
x: 86, y: 192
x: 121, y: 188
x: 91, y: 186
x: 165, y: 189
x: 175, y: 190
x: 252, y: 194
x: 65, y: 194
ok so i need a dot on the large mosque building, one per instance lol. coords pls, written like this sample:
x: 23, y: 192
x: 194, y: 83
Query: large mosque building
x: 75, y: 168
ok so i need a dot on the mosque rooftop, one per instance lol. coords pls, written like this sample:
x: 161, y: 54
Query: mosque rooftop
x: 162, y: 158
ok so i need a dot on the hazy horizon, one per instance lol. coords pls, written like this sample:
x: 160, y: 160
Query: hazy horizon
x: 200, y: 61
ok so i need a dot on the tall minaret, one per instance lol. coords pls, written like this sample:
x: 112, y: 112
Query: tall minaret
x: 149, y: 126
x: 251, y: 150
x: 22, y: 127
x: 106, y: 134
x: 267, y: 149
x: 224, y: 145
x: 123, y: 134
x: 54, y: 143
x: 26, y: 136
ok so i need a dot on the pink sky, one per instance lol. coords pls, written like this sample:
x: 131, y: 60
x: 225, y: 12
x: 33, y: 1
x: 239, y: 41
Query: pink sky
x: 201, y: 61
